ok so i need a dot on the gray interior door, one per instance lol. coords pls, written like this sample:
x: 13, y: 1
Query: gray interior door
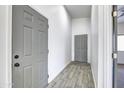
x: 30, y: 48
x: 81, y: 48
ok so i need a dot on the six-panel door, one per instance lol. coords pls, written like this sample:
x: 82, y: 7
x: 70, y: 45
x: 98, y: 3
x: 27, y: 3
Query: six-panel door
x: 30, y: 48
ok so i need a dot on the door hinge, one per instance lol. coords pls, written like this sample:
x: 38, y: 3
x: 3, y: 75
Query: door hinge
x: 114, y: 55
x: 115, y: 13
x: 48, y: 76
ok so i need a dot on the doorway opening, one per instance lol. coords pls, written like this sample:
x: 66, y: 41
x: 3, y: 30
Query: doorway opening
x: 30, y: 47
x: 118, y: 47
x: 81, y: 48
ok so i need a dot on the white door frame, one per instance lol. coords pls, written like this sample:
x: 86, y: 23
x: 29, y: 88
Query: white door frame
x: 105, y: 46
x: 6, y: 49
x: 9, y: 46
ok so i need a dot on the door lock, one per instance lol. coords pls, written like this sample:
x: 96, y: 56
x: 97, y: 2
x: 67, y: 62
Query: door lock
x: 16, y: 65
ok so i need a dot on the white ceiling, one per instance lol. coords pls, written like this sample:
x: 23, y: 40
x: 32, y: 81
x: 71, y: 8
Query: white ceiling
x: 79, y: 11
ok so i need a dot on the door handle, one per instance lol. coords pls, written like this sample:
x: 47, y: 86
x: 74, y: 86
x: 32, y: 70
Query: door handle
x: 16, y: 65
x: 16, y: 56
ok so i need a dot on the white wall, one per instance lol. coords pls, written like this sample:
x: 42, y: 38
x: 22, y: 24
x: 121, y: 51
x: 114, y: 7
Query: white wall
x: 5, y: 46
x: 81, y: 26
x: 94, y: 43
x: 59, y: 41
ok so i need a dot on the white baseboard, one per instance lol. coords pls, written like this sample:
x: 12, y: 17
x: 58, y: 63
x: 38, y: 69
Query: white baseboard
x: 59, y: 72
x: 93, y: 77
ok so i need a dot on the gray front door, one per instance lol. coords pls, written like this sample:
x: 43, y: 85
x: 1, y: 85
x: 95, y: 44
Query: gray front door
x: 81, y: 48
x: 30, y: 48
x: 114, y: 38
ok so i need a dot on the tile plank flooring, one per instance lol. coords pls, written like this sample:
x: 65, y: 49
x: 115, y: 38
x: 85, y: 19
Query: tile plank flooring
x: 75, y: 75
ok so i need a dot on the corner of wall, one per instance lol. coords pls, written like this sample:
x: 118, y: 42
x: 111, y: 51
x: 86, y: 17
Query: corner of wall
x: 95, y: 84
x: 58, y: 72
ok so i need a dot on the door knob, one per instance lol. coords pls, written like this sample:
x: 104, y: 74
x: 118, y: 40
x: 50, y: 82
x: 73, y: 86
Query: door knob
x: 16, y: 65
x: 16, y: 56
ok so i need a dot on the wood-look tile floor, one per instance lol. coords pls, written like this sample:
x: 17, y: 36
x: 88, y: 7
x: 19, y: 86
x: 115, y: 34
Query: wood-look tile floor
x: 75, y: 75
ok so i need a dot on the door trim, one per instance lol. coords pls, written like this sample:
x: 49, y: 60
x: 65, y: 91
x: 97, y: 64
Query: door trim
x: 105, y: 46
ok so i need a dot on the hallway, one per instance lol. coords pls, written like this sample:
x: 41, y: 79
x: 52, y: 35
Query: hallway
x: 75, y: 75
x: 40, y: 46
